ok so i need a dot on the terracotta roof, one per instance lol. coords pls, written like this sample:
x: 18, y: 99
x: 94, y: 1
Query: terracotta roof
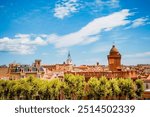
x: 83, y: 67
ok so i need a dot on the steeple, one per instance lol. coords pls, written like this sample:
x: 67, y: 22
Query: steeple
x: 69, y: 60
x: 69, y: 56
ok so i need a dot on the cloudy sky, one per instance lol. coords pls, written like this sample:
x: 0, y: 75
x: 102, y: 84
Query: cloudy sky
x: 48, y: 29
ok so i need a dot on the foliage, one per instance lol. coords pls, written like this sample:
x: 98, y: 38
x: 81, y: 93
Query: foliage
x: 72, y: 87
x: 139, y: 88
x: 115, y: 90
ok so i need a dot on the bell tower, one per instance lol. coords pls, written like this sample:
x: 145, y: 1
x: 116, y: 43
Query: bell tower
x: 114, y: 59
x: 69, y: 60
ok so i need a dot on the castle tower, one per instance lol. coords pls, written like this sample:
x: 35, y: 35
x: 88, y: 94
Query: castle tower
x: 114, y: 59
x: 37, y: 63
x: 69, y: 60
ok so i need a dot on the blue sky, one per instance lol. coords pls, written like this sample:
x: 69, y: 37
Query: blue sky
x: 48, y: 29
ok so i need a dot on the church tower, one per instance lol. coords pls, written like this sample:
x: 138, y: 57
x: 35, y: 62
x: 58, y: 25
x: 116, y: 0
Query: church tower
x: 114, y: 59
x: 69, y: 60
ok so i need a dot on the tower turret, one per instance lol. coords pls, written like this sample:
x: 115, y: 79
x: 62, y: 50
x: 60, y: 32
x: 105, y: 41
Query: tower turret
x: 114, y: 59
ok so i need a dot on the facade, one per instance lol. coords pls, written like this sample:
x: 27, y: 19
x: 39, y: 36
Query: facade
x: 17, y: 71
x: 4, y: 72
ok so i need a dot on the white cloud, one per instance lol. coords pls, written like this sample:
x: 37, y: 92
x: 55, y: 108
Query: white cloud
x: 96, y: 6
x: 65, y: 8
x: 27, y: 44
x: 21, y: 44
x: 138, y: 22
x: 114, y: 3
x: 144, y: 54
x: 108, y: 3
x: 90, y: 32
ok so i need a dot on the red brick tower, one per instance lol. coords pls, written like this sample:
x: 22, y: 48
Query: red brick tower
x: 114, y: 59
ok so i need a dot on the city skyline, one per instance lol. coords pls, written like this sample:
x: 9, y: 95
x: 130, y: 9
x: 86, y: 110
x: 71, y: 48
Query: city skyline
x: 47, y: 30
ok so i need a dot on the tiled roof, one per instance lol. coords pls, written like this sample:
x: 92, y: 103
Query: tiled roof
x: 27, y: 68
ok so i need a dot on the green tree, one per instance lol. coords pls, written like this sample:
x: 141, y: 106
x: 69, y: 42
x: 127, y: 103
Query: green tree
x: 43, y: 91
x: 93, y: 85
x: 115, y: 90
x: 98, y: 88
x: 4, y: 89
x: 11, y: 91
x: 104, y: 89
x: 127, y: 88
x: 74, y: 86
x: 18, y: 89
x: 2, y: 86
x: 55, y: 87
x: 139, y: 88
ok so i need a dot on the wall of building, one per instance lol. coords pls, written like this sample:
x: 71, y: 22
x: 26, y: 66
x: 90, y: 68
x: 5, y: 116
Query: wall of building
x: 4, y: 73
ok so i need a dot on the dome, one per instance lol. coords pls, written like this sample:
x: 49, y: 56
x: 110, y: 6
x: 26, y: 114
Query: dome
x: 114, y: 49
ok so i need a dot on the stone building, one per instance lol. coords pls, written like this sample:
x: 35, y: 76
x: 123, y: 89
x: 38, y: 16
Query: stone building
x: 17, y: 71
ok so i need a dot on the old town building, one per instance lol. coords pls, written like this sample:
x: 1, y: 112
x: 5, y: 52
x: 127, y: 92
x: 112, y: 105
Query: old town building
x: 16, y: 71
x: 114, y: 69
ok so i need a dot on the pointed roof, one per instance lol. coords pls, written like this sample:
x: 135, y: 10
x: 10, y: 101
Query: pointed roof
x: 69, y: 55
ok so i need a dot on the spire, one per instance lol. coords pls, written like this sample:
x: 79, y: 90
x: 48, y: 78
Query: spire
x: 69, y: 55
x: 69, y: 60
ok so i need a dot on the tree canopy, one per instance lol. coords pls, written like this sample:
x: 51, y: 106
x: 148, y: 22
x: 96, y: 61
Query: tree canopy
x: 73, y: 87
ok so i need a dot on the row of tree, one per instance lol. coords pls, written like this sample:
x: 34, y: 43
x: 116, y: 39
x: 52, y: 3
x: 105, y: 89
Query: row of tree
x: 72, y: 87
